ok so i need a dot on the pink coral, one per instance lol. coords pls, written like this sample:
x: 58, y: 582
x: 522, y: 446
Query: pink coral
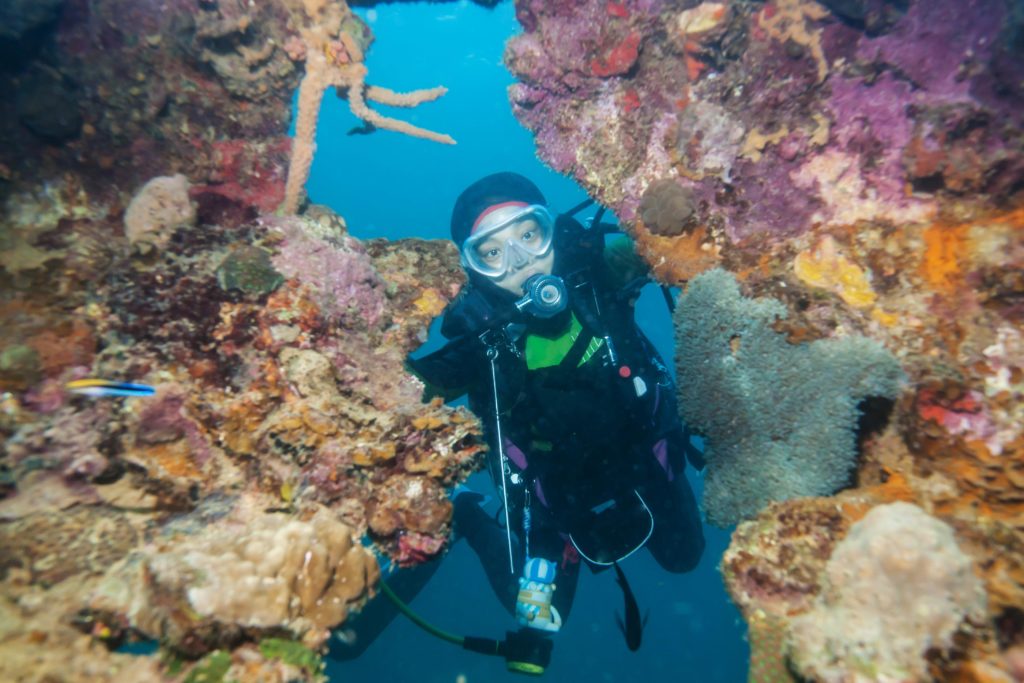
x: 346, y: 285
x: 415, y: 548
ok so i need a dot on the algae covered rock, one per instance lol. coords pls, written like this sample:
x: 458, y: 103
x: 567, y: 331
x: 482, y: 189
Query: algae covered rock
x: 249, y: 270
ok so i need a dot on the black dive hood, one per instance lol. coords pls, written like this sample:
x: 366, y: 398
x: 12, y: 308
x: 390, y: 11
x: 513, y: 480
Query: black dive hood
x: 497, y: 188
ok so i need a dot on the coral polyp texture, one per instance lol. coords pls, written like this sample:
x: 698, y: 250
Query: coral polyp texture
x: 791, y: 429
x: 250, y: 571
x: 857, y: 167
x: 238, y: 511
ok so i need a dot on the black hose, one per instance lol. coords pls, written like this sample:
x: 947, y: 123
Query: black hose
x: 579, y: 207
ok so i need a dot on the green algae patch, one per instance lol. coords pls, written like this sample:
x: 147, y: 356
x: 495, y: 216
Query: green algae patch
x: 292, y: 652
x: 211, y: 668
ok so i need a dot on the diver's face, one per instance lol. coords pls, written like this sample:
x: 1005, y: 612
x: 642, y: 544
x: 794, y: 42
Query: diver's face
x: 513, y: 245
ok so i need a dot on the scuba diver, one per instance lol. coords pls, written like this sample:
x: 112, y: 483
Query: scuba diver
x: 587, y: 450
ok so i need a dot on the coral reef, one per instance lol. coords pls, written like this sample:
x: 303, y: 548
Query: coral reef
x: 738, y: 102
x: 282, y: 419
x: 858, y: 167
x: 237, y: 514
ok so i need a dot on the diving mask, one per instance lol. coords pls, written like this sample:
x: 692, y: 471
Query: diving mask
x: 508, y: 236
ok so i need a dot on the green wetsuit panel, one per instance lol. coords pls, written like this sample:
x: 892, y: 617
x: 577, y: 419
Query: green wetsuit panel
x: 545, y: 352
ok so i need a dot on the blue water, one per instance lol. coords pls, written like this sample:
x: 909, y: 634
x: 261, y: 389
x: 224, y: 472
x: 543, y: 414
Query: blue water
x: 390, y: 185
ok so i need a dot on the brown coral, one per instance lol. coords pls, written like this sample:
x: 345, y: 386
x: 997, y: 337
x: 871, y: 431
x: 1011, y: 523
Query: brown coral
x: 251, y: 571
x: 667, y: 208
x: 668, y: 233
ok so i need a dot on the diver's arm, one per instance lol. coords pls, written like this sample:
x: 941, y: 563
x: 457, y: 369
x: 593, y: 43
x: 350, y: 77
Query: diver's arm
x: 447, y: 372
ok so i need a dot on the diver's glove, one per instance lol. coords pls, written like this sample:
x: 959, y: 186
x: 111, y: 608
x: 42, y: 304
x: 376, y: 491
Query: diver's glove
x: 536, y: 588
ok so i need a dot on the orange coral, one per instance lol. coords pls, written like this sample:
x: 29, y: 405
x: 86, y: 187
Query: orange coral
x: 675, y: 260
x: 951, y: 250
x: 942, y: 266
x: 172, y: 459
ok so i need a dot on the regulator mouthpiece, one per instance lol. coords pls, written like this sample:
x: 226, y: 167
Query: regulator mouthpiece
x: 545, y: 296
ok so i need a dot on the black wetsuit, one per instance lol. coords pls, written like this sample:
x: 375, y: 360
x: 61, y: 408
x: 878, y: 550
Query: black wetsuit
x: 581, y: 419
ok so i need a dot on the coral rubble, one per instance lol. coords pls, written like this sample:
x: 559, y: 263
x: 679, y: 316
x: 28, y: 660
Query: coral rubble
x: 858, y: 167
x: 238, y: 513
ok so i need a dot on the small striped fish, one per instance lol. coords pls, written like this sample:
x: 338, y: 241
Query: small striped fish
x: 104, y: 387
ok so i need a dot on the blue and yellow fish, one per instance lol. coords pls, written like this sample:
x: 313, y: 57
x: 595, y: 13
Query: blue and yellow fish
x: 105, y: 387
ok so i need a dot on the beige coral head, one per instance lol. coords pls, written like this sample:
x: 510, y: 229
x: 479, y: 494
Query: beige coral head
x: 160, y: 207
x: 701, y: 19
x: 896, y: 587
x: 314, y: 7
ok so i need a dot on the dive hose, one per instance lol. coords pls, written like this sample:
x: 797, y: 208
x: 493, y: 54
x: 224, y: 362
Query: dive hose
x: 524, y: 651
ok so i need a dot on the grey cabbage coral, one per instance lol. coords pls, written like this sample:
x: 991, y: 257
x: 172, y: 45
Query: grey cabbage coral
x: 780, y: 419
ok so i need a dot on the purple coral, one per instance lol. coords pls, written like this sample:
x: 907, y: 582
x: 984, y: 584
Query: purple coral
x: 935, y: 48
x: 768, y: 144
x: 872, y: 122
x: 346, y: 285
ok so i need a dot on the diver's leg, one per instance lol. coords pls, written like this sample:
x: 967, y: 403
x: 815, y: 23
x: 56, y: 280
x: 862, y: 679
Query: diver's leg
x: 360, y: 630
x: 565, y: 587
x: 678, y: 539
x: 488, y: 540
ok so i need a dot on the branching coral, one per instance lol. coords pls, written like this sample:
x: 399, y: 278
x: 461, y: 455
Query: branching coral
x: 335, y: 58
